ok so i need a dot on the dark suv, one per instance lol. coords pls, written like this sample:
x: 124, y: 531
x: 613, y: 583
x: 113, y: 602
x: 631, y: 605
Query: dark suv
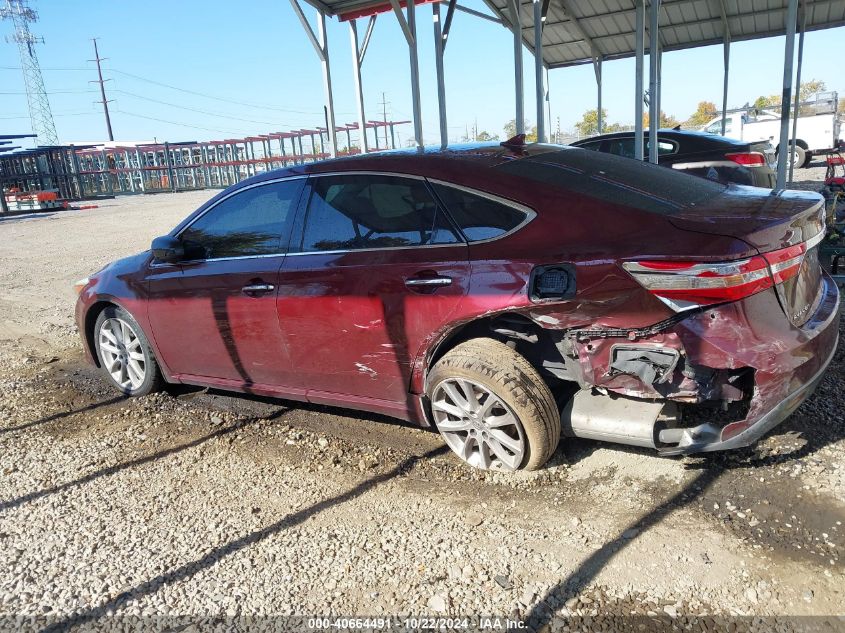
x: 503, y: 295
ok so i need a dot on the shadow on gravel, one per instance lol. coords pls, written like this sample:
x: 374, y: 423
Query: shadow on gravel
x: 542, y: 613
x: 189, y: 569
x: 64, y: 414
x: 111, y: 470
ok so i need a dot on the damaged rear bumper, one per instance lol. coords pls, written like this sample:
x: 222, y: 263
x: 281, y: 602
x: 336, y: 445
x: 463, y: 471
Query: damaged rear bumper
x: 707, y: 438
x: 743, y: 358
x: 778, y: 393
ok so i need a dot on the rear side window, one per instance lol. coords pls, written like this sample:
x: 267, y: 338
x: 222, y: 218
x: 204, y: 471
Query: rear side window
x: 663, y: 147
x: 625, y: 147
x: 479, y: 217
x: 255, y: 221
x: 371, y: 211
x: 615, y: 179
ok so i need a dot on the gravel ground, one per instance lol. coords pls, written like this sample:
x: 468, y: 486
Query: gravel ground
x: 198, y: 504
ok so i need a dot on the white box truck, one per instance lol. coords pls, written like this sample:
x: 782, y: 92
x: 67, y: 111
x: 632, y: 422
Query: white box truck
x: 818, y: 130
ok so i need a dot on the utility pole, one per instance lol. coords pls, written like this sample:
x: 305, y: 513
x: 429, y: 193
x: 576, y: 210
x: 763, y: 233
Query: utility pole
x: 40, y: 114
x: 101, y: 81
x: 384, y: 104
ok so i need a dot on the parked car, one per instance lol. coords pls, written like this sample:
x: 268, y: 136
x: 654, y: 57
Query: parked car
x: 714, y: 157
x: 503, y: 295
x: 818, y: 132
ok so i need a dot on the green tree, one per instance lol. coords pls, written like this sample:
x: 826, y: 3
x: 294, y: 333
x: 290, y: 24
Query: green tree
x: 810, y: 88
x: 704, y: 113
x: 762, y: 102
x: 484, y: 135
x: 807, y: 90
x: 589, y: 124
x: 666, y: 120
x: 530, y: 131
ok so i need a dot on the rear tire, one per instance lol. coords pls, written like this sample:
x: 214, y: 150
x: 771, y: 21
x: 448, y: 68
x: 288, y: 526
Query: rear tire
x: 800, y: 157
x: 808, y: 158
x: 124, y: 353
x: 493, y: 408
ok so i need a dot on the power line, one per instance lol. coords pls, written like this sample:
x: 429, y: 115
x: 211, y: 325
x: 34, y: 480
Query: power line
x: 193, y: 92
x: 208, y: 96
x: 197, y: 127
x: 52, y: 92
x: 182, y: 107
x: 48, y: 69
x: 55, y: 114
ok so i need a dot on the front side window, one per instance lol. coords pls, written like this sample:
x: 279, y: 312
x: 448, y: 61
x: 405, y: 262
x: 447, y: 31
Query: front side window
x: 593, y: 145
x: 479, y: 217
x: 371, y: 211
x: 249, y: 223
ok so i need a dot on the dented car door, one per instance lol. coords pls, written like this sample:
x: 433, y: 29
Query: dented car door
x: 377, y: 270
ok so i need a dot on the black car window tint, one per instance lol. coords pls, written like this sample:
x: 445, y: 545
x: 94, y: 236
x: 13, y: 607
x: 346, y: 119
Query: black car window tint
x: 616, y: 180
x: 479, y: 217
x: 372, y: 211
x: 593, y: 145
x: 250, y: 222
x: 622, y: 147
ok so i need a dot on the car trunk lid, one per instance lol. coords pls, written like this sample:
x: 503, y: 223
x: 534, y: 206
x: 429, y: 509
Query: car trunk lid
x: 784, y: 226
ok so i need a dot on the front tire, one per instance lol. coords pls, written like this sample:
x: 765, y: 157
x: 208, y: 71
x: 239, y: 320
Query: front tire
x: 124, y: 352
x: 493, y: 408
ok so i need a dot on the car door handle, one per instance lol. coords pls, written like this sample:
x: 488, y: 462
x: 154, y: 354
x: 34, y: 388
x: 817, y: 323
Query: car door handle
x: 414, y: 282
x: 258, y: 289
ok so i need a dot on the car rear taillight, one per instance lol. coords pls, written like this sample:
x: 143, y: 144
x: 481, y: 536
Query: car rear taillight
x: 748, y: 159
x: 685, y: 284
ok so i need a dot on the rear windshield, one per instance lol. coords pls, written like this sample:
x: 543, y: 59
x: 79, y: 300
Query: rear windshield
x: 616, y: 179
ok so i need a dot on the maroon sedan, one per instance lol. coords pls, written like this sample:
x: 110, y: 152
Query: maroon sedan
x: 502, y: 294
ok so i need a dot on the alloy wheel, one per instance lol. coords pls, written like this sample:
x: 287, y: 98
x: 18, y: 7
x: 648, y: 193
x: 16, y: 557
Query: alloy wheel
x: 476, y: 424
x: 121, y: 354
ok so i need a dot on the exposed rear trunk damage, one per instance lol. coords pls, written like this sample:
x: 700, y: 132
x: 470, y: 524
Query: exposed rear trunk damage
x: 718, y: 373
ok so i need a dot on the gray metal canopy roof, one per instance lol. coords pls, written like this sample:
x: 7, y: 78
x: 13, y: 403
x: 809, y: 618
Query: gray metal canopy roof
x: 577, y: 32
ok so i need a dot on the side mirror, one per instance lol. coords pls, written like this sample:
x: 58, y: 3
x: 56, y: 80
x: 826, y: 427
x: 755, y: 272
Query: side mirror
x: 168, y: 249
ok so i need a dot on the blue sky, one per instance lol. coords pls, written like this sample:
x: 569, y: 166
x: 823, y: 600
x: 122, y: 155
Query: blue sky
x: 256, y: 54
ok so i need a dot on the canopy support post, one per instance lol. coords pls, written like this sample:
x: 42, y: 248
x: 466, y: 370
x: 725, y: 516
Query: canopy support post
x: 786, y: 98
x: 321, y: 46
x: 358, y: 53
x: 797, y: 88
x: 639, y: 45
x: 653, y: 81
x: 726, y: 54
x: 727, y: 70
x: 599, y: 118
x: 538, y: 70
x: 516, y: 26
x: 409, y: 28
x: 440, y: 36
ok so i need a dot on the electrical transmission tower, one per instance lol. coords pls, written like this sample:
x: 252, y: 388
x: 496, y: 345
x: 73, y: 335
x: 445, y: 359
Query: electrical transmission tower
x: 21, y: 15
